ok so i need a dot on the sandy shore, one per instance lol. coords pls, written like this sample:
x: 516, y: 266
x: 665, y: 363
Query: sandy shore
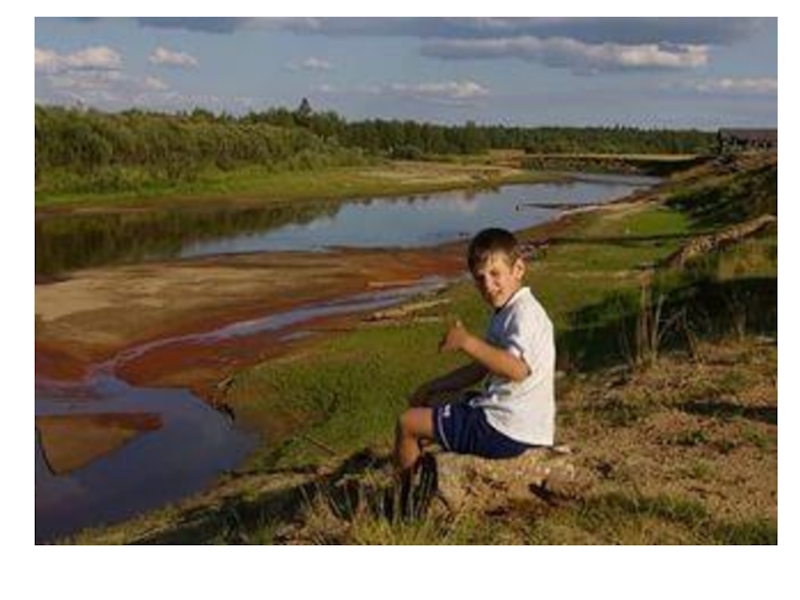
x: 95, y: 314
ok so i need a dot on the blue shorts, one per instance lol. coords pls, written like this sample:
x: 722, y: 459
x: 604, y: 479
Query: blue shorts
x: 462, y: 428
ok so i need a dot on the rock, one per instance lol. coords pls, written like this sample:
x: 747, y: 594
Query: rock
x: 456, y: 481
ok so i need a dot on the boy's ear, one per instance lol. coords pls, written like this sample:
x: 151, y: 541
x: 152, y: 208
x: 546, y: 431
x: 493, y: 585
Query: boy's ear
x: 519, y: 268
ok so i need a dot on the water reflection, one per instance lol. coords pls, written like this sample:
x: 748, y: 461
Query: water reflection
x: 76, y: 241
x: 194, y: 443
x: 70, y: 242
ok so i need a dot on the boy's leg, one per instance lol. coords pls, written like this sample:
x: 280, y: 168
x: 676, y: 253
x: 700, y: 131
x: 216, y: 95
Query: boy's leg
x: 414, y: 425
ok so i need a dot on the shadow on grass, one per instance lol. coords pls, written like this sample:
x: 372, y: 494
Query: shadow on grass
x: 604, y: 514
x: 729, y: 410
x: 627, y: 240
x: 605, y: 334
x: 748, y: 195
x: 361, y: 484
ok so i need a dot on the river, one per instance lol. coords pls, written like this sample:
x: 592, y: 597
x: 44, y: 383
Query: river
x: 194, y: 443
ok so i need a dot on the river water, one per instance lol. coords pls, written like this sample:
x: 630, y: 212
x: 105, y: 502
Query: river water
x: 65, y: 243
x: 195, y: 443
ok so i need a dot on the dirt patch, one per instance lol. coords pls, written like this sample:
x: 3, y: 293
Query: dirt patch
x: 411, y: 172
x: 97, y: 313
x: 704, y: 430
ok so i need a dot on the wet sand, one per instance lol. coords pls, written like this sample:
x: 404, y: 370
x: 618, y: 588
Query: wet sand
x: 95, y: 314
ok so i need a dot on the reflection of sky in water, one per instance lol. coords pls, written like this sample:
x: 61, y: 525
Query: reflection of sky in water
x: 194, y: 444
x: 424, y: 220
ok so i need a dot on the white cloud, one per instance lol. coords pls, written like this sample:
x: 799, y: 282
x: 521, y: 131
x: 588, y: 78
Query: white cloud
x: 311, y: 63
x: 92, y: 76
x: 46, y: 61
x: 455, y: 90
x: 154, y: 83
x: 449, y: 91
x: 569, y: 53
x: 92, y: 58
x: 110, y: 88
x: 315, y: 63
x: 746, y: 85
x: 171, y: 58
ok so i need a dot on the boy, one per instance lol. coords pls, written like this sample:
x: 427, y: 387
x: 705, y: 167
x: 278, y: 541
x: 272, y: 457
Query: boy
x: 515, y: 410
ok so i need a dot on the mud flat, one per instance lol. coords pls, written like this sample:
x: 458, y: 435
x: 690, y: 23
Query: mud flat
x: 97, y: 313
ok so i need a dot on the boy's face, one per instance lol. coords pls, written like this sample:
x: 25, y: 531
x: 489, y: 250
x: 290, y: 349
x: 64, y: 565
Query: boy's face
x: 497, y: 279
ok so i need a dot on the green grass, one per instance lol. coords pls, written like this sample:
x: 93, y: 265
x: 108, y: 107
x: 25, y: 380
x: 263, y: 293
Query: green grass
x: 467, y: 529
x: 263, y: 184
x: 623, y: 518
x: 611, y: 518
x: 353, y: 389
x: 348, y: 394
x: 730, y: 198
x: 357, y: 384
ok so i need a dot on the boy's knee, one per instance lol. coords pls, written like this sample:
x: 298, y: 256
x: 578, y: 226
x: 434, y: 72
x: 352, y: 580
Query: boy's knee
x: 415, y: 422
x: 404, y: 423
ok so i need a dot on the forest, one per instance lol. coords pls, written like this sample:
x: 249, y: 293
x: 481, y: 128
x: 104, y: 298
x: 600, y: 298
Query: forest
x: 86, y: 150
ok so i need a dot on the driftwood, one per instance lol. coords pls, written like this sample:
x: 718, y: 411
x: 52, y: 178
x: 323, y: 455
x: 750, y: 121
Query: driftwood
x: 450, y: 483
x: 708, y: 243
x: 556, y: 205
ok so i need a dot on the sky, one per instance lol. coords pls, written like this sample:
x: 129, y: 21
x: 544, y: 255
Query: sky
x: 651, y: 72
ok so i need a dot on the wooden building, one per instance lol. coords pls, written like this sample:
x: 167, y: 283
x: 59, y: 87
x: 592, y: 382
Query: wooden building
x: 739, y: 140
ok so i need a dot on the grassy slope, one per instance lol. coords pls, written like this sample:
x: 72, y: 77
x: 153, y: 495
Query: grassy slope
x: 356, y: 384
x: 671, y: 439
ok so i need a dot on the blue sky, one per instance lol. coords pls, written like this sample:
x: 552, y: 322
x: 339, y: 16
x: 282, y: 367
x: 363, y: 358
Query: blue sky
x: 644, y: 72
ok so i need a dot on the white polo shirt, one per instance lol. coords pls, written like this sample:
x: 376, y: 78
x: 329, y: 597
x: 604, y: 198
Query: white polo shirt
x: 523, y: 410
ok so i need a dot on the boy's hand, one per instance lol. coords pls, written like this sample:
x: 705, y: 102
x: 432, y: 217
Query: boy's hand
x: 454, y: 339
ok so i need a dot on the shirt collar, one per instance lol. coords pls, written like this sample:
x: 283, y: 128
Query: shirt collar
x: 511, y: 300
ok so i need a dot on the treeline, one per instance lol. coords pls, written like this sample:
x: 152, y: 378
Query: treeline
x: 92, y: 151
x: 79, y: 150
x: 412, y: 139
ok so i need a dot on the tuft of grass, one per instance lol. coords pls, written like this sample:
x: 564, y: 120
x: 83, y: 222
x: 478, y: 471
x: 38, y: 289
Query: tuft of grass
x: 761, y: 532
x: 700, y: 470
x: 439, y: 531
x: 623, y: 518
x: 690, y: 437
x: 619, y: 413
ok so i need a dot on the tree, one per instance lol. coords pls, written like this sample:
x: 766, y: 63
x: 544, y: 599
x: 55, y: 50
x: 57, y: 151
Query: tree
x: 302, y: 115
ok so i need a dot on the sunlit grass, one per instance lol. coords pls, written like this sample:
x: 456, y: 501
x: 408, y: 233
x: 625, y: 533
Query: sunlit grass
x: 261, y: 184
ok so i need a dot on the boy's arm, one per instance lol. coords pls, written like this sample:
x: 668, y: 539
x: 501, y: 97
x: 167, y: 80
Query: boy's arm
x: 498, y: 361
x: 458, y: 379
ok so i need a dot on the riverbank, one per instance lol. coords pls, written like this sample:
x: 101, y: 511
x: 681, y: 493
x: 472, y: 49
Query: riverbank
x: 179, y: 330
x: 580, y: 264
x: 96, y: 314
x: 253, y: 186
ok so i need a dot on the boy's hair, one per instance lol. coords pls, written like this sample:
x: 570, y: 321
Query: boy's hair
x: 489, y: 241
